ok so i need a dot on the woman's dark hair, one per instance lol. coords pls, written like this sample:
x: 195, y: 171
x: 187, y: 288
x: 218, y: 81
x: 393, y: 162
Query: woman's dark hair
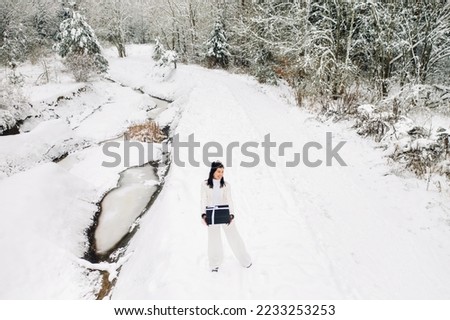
x: 214, y: 166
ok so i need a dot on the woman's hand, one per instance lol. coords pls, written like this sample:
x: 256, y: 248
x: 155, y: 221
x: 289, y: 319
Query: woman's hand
x: 204, y: 218
x: 231, y: 219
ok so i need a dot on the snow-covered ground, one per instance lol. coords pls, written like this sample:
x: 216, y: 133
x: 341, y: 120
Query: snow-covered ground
x: 338, y: 232
x: 47, y: 207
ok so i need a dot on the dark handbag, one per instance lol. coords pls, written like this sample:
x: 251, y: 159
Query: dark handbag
x: 219, y: 214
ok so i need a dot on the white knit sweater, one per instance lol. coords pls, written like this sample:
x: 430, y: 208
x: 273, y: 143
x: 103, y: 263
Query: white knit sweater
x: 217, y: 195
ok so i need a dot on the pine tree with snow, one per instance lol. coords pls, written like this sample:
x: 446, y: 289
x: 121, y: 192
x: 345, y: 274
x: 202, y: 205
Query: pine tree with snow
x: 158, y: 50
x: 80, y: 47
x: 218, y: 46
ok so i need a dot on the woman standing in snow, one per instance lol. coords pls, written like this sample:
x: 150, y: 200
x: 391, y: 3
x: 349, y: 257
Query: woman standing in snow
x: 214, y: 192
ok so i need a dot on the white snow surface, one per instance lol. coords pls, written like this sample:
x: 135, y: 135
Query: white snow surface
x: 44, y: 211
x: 331, y: 232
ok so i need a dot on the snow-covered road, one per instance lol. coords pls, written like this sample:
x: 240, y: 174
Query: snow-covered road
x: 355, y: 231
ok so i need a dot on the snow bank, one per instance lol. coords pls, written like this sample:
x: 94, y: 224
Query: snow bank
x: 49, y: 140
x: 44, y: 213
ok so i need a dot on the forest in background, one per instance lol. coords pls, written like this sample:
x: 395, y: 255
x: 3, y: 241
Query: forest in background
x: 391, y: 57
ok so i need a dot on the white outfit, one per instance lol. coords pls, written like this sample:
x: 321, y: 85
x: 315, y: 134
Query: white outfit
x: 217, y: 196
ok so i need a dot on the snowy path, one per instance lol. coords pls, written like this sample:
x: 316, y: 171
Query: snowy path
x: 326, y: 232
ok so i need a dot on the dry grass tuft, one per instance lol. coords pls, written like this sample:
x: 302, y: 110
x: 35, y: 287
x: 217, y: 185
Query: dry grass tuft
x: 145, y: 132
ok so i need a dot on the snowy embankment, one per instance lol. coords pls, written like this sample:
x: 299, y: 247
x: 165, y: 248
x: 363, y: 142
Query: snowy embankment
x: 356, y: 231
x: 44, y: 211
x: 46, y: 207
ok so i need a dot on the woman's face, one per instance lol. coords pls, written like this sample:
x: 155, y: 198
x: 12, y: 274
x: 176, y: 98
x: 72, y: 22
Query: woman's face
x: 218, y: 174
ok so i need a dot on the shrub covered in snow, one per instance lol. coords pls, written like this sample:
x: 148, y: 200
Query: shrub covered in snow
x: 164, y: 58
x: 373, y: 121
x: 420, y: 150
x: 423, y: 152
x: 264, y: 67
x: 168, y: 58
x: 7, y: 120
x: 410, y: 97
x: 81, y: 66
x: 13, y: 105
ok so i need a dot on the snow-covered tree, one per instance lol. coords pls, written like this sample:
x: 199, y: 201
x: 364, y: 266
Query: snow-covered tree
x: 43, y: 24
x: 140, y: 22
x: 158, y: 50
x: 43, y: 17
x: 164, y: 58
x: 114, y: 23
x: 80, y: 47
x: 331, y: 46
x: 27, y: 29
x: 15, y: 44
x: 180, y: 25
x: 217, y: 46
x: 268, y: 39
x: 425, y: 29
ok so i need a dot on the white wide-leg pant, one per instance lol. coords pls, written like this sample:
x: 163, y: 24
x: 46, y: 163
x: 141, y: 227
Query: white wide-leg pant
x: 215, y: 248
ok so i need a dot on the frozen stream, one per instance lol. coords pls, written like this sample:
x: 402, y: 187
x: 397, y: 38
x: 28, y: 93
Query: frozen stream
x: 122, y: 205
x: 126, y: 199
